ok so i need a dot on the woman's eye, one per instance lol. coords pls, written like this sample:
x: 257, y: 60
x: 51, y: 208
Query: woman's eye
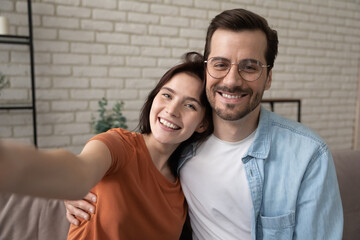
x: 190, y: 106
x: 166, y: 95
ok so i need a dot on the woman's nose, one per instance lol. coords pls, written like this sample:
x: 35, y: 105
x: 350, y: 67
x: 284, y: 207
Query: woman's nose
x: 173, y: 109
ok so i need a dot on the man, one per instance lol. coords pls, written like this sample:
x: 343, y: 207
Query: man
x: 259, y: 176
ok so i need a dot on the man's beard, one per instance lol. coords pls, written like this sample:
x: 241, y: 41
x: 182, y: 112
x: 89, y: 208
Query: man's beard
x: 234, y: 115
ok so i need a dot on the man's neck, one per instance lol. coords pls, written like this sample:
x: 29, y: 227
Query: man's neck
x: 234, y: 131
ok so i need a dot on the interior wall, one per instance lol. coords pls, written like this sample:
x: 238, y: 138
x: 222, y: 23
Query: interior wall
x: 89, y: 49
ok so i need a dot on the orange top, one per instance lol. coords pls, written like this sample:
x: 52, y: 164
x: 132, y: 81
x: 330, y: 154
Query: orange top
x: 134, y: 200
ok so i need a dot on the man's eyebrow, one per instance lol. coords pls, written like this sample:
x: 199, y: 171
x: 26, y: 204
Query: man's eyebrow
x: 220, y: 58
x: 187, y: 98
x: 245, y: 59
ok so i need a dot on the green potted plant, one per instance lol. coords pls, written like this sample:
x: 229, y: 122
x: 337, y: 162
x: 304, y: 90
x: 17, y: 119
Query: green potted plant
x: 109, y: 119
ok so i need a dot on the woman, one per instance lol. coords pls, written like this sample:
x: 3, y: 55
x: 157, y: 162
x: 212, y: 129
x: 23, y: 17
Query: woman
x: 134, y: 174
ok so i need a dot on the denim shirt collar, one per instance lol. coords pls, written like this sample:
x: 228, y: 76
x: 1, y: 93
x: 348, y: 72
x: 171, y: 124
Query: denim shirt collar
x: 188, y: 152
x: 261, y: 145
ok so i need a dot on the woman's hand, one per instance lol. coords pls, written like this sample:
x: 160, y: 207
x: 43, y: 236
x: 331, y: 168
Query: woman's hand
x: 80, y: 208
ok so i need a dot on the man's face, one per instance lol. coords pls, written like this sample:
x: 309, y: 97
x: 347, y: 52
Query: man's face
x: 232, y: 97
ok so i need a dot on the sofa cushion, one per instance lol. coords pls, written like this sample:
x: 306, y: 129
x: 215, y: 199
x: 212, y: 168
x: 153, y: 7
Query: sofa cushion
x: 347, y: 164
x: 29, y: 218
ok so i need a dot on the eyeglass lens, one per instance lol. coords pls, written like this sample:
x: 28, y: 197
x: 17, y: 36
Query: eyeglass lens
x: 249, y: 69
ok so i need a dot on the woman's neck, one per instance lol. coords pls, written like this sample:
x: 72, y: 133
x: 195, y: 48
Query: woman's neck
x: 160, y: 154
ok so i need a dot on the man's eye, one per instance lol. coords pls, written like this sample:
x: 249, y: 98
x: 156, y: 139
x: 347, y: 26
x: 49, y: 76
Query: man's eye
x: 220, y: 65
x: 250, y: 68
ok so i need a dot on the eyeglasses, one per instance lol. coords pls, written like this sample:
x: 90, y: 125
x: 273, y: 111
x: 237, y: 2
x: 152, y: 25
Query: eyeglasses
x: 249, y: 69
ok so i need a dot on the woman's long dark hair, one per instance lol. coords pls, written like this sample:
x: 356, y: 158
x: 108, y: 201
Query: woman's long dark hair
x: 193, y: 63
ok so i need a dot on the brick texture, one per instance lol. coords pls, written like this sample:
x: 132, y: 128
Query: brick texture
x: 89, y: 49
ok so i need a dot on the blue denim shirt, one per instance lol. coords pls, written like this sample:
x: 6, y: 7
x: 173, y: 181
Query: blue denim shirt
x: 292, y: 180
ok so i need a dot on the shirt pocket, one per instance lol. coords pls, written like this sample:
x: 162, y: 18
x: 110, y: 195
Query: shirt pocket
x: 279, y: 227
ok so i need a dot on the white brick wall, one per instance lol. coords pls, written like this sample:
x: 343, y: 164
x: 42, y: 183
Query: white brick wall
x: 119, y: 49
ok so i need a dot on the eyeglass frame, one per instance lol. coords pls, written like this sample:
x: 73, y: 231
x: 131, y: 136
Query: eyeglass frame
x: 238, y: 64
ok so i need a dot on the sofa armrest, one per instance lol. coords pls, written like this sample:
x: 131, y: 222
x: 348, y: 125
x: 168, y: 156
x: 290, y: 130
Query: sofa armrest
x: 28, y: 218
x: 347, y: 164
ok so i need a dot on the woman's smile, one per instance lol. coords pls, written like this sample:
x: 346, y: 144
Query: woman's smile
x: 168, y: 124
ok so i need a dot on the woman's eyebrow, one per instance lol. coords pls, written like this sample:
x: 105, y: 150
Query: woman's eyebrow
x: 186, y: 98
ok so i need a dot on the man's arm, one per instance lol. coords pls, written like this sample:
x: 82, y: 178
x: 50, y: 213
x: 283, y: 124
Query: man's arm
x: 319, y: 212
x: 80, y: 208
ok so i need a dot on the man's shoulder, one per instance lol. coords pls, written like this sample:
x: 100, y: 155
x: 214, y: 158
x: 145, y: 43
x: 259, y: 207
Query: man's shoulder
x: 281, y: 138
x: 279, y: 125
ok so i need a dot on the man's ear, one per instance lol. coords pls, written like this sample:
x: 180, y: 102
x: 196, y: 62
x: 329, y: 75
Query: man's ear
x: 268, y: 80
x: 202, y: 127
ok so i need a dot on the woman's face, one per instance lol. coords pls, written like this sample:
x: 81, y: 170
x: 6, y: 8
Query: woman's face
x: 176, y: 111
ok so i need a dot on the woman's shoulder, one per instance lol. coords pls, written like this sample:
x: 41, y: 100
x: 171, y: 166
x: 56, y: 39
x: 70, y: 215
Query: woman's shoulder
x: 119, y: 136
x: 122, y: 144
x: 121, y: 133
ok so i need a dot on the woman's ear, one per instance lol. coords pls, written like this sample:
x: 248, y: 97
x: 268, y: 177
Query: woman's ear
x: 202, y: 127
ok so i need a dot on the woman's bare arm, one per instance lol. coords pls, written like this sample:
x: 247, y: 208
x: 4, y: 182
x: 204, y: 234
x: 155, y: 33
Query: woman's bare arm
x: 53, y: 173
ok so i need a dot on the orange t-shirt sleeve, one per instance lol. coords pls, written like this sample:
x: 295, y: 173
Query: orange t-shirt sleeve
x: 118, y: 147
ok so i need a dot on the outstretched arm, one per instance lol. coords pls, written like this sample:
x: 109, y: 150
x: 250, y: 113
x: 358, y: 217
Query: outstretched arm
x: 54, y: 173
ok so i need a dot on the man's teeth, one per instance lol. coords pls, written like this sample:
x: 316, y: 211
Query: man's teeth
x: 230, y: 96
x: 168, y: 124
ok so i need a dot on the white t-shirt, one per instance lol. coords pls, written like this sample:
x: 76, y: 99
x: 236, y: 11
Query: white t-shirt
x: 217, y: 191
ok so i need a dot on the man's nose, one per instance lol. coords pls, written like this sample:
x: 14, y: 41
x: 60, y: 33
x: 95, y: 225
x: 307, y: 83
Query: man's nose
x: 233, y: 77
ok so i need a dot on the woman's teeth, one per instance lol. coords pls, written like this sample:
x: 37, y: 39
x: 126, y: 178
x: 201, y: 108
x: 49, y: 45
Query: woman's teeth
x: 168, y: 124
